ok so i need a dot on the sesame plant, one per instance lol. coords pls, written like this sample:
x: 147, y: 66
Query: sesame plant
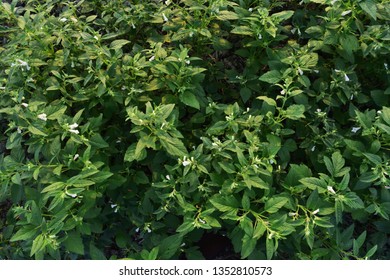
x: 138, y: 129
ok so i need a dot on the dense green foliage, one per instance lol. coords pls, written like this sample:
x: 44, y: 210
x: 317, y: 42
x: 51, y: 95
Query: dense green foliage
x: 129, y: 129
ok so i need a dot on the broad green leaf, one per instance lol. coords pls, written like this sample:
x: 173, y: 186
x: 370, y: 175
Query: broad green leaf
x: 281, y: 16
x: 54, y: 186
x: 227, y: 15
x: 36, y: 216
x: 267, y: 100
x: 169, y: 246
x: 296, y: 173
x: 74, y: 243
x: 25, y: 233
x: 254, y: 181
x: 242, y: 30
x: 117, y: 44
x: 248, y: 245
x: 224, y: 203
x: 323, y: 222
x: 245, y: 202
x: 353, y: 200
x: 36, y: 131
x: 173, y: 146
x: 186, y: 227
x: 270, y: 247
x: 189, y: 99
x: 377, y: 160
x: 314, y: 183
x: 371, y: 252
x: 131, y: 155
x: 97, y: 141
x: 295, y: 112
x: 274, y: 204
x: 227, y: 167
x: 386, y: 114
x: 96, y: 253
x: 259, y: 230
x: 271, y: 77
x: 369, y: 6
x: 38, y: 244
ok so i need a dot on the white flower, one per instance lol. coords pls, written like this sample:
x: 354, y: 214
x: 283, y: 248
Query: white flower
x: 183, y: 244
x: 355, y: 129
x: 96, y: 37
x: 188, y: 61
x: 132, y: 25
x: 250, y: 9
x: 318, y: 110
x: 331, y: 190
x: 137, y: 229
x: 300, y: 71
x: 2, y: 88
x: 167, y: 2
x: 316, y: 71
x: 21, y: 63
x: 271, y: 161
x: 42, y: 116
x: 152, y: 58
x: 346, y: 78
x: 164, y: 17
x: 113, y: 205
x: 76, y: 156
x: 283, y: 92
x: 186, y: 161
x: 293, y: 30
x: 148, y: 230
x: 19, y: 130
x: 25, y: 105
x: 73, y: 126
x: 168, y: 177
x: 387, y: 187
x: 73, y: 195
x: 63, y: 19
x: 316, y: 211
x: 260, y: 36
x: 379, y: 112
x: 313, y: 148
x: 386, y: 66
x: 346, y: 13
x: 202, y: 221
x: 292, y: 214
x: 75, y: 131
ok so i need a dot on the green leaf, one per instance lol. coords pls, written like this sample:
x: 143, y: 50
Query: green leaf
x: 358, y: 243
x: 117, y: 44
x: 227, y: 167
x: 259, y: 230
x: 371, y: 252
x: 295, y: 112
x: 97, y: 141
x: 296, y: 173
x: 38, y: 245
x: 353, y: 200
x: 242, y: 30
x: 248, y: 245
x: 245, y: 202
x: 36, y: 216
x: 169, y: 246
x: 369, y: 7
x: 153, y: 85
x: 96, y: 253
x: 36, y: 131
x: 189, y: 99
x: 254, y: 181
x: 224, y: 203
x: 267, y: 100
x: 323, y: 222
x: 271, y: 77
x: 74, y: 243
x: 386, y: 114
x: 281, y: 16
x: 25, y: 233
x: 314, y: 183
x: 53, y: 187
x: 270, y: 247
x: 173, y: 146
x: 274, y: 204
x: 227, y: 15
x: 131, y: 155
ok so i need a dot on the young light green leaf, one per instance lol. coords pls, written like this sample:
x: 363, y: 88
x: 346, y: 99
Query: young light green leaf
x: 295, y: 112
x: 117, y: 44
